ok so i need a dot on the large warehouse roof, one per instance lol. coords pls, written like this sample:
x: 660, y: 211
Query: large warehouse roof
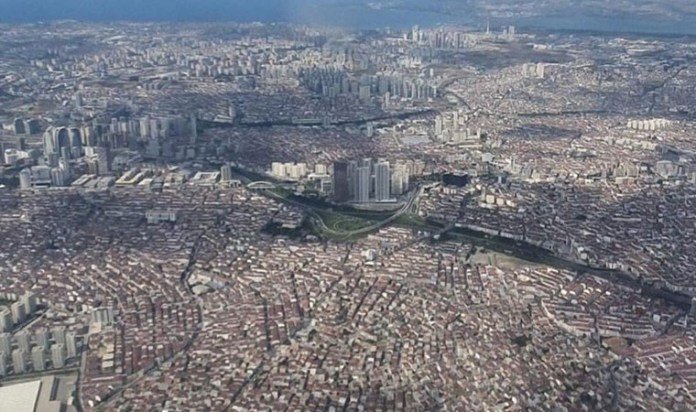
x: 19, y: 397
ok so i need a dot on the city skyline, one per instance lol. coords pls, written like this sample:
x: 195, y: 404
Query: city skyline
x: 329, y: 214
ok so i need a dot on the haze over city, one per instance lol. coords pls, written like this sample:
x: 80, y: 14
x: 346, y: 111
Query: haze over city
x: 347, y: 205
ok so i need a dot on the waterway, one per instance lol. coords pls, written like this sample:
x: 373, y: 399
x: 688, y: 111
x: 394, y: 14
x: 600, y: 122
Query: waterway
x: 342, y: 13
x: 611, y: 25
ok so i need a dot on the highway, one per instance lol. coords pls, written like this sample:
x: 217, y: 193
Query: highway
x: 533, y: 253
x: 290, y: 123
x: 519, y: 249
x: 317, y: 219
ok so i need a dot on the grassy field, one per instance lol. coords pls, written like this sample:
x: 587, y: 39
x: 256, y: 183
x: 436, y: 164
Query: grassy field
x: 342, y: 223
x: 410, y: 220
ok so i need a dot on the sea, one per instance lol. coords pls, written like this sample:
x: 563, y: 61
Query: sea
x: 343, y: 13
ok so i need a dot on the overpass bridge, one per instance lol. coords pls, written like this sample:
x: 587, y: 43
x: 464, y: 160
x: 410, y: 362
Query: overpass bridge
x: 261, y: 185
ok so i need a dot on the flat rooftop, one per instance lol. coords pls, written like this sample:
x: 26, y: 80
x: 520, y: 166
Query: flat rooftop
x: 20, y: 397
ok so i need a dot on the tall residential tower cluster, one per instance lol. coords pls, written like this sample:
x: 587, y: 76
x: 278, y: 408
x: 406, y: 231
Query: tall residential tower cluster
x: 367, y: 181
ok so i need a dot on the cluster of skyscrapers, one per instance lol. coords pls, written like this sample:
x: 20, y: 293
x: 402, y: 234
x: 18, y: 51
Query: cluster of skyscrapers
x: 331, y: 83
x: 367, y: 181
x: 24, y: 352
x: 18, y: 312
x: 451, y: 38
x: 26, y: 126
x: 20, y: 350
x: 650, y: 125
x: 293, y: 171
x: 451, y: 127
x: 120, y: 132
x: 63, y: 141
x: 93, y: 143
